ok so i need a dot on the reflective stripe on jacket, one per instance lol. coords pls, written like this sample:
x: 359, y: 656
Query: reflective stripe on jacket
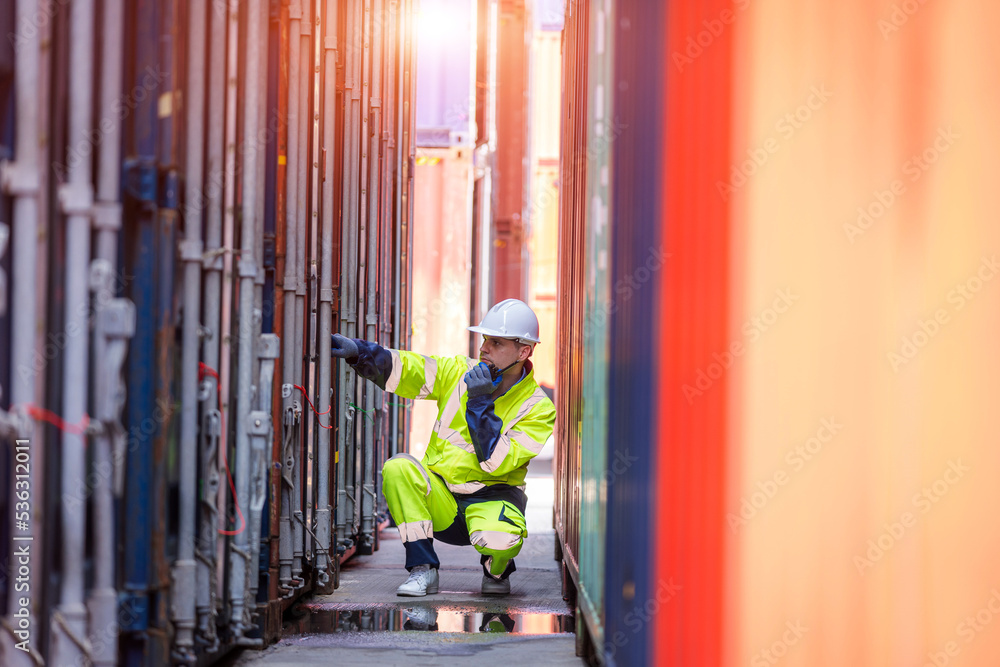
x: 526, y: 416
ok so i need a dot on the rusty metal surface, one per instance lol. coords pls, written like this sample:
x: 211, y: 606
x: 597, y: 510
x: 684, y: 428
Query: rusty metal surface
x: 510, y: 178
x: 571, y: 252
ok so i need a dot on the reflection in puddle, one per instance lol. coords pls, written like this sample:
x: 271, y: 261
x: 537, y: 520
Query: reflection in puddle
x: 431, y: 619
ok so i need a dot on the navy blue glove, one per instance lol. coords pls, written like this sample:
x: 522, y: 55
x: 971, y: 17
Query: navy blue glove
x: 479, y: 381
x: 484, y: 425
x: 497, y: 373
x: 344, y: 347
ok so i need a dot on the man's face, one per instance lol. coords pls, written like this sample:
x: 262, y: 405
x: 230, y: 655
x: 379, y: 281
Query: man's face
x: 502, y: 352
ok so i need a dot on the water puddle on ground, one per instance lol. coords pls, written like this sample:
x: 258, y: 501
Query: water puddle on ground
x: 429, y: 619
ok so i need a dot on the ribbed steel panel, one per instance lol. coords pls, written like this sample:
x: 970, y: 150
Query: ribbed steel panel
x: 597, y: 477
x: 691, y: 433
x: 264, y: 493
x: 570, y: 446
x: 139, y: 249
x: 637, y: 199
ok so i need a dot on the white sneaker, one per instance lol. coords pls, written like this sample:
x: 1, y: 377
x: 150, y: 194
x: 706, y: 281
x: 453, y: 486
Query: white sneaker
x: 422, y: 581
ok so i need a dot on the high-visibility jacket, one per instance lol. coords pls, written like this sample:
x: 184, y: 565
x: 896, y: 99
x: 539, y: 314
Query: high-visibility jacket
x: 507, y: 433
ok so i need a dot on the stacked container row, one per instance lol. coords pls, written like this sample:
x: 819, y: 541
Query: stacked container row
x: 195, y: 196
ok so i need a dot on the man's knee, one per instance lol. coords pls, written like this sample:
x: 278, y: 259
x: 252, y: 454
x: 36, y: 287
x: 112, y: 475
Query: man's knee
x: 496, y: 526
x: 496, y: 543
x: 405, y: 469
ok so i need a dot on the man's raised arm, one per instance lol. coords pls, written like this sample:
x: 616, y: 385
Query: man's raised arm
x: 406, y: 374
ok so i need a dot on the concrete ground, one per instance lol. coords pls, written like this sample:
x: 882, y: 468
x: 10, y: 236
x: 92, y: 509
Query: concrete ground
x: 364, y: 623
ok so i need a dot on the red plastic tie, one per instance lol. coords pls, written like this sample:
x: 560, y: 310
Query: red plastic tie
x: 57, y: 421
x: 318, y: 414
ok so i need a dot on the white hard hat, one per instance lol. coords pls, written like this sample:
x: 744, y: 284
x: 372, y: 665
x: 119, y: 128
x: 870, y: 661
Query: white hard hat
x: 511, y: 318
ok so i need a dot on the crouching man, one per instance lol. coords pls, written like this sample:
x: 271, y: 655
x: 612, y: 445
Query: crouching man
x: 493, y: 418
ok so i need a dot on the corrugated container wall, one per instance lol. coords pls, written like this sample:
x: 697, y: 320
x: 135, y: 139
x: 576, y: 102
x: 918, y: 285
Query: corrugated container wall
x: 195, y: 196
